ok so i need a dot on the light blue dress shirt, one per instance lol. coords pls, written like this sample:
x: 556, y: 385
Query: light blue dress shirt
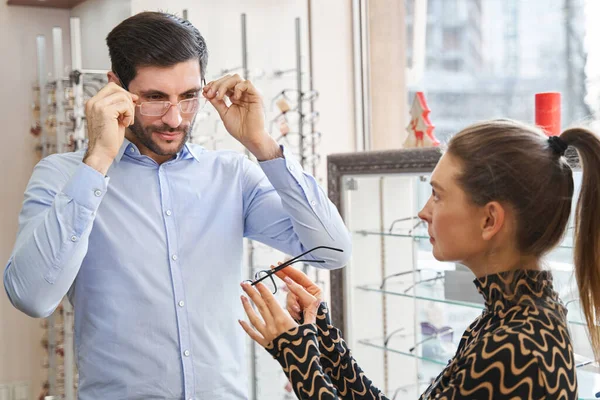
x: 151, y: 259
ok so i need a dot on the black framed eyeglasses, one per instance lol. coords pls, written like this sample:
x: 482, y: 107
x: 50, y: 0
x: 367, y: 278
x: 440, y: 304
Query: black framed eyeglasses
x: 267, y: 275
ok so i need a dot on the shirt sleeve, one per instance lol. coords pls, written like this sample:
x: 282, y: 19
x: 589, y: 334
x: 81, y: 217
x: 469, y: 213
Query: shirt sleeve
x: 54, y: 225
x: 285, y: 208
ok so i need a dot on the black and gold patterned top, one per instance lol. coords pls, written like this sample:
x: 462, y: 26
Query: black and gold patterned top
x: 519, y: 348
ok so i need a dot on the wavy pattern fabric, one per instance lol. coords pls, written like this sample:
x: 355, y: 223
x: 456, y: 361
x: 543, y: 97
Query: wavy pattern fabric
x: 519, y: 348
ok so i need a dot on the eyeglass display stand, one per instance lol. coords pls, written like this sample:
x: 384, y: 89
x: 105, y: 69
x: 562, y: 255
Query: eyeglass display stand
x: 61, y: 128
x: 393, y: 301
x: 259, y: 256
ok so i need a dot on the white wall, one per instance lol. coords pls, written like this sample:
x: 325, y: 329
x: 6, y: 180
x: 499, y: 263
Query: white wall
x: 20, y: 349
x: 98, y: 17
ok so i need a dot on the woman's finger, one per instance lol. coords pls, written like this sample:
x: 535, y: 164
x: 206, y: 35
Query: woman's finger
x: 297, y: 276
x: 293, y: 306
x: 253, y: 334
x: 310, y: 303
x: 257, y: 299
x: 271, y: 302
x: 253, y: 317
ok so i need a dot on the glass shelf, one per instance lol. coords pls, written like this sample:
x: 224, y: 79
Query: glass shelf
x: 566, y: 244
x: 436, y: 294
x: 378, y: 344
x: 587, y: 379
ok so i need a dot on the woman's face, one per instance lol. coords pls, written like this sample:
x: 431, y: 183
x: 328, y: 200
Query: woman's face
x: 454, y: 223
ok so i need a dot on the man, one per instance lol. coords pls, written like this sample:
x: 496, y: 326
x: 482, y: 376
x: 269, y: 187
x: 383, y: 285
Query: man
x: 144, y: 231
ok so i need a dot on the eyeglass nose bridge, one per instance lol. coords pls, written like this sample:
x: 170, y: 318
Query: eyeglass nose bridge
x: 167, y: 109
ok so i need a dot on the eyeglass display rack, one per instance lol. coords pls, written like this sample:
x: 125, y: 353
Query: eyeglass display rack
x: 59, y: 126
x: 267, y: 381
x: 401, y: 311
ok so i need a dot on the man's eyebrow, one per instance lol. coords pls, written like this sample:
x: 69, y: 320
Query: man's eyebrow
x: 155, y: 92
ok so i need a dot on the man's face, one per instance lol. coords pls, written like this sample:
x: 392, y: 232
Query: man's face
x: 165, y: 135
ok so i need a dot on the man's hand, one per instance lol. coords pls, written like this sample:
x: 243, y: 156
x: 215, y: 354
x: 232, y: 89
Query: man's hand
x: 244, y: 119
x: 108, y: 113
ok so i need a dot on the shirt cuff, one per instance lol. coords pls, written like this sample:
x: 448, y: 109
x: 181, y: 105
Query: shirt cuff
x: 87, y: 187
x: 283, y: 172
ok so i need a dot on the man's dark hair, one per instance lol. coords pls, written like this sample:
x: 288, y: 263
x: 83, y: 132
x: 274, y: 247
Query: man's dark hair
x: 154, y: 39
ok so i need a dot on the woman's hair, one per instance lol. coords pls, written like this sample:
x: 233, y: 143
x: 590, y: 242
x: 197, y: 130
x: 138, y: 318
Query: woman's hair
x: 515, y: 163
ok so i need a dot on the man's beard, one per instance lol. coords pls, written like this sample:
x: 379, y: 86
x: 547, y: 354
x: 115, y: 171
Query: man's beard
x: 144, y: 135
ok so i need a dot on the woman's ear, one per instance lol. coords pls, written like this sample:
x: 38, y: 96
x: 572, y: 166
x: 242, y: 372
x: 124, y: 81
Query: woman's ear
x: 493, y: 219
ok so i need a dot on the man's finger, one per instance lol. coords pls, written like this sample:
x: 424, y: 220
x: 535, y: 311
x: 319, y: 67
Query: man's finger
x: 220, y: 106
x: 226, y: 85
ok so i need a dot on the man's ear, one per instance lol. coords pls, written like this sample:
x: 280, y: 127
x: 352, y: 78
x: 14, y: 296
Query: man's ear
x: 112, y: 77
x: 493, y: 219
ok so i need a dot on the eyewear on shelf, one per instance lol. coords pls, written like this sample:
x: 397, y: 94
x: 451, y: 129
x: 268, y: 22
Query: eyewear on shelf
x: 292, y: 96
x: 283, y: 120
x: 445, y: 334
x: 419, y: 223
x: 438, y: 276
x: 386, y: 340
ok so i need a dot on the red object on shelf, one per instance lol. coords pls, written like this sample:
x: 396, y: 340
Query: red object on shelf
x: 547, y: 112
x: 420, y: 129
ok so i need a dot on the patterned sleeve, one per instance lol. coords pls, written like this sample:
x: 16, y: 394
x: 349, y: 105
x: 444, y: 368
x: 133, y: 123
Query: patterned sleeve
x: 298, y: 353
x: 319, y: 364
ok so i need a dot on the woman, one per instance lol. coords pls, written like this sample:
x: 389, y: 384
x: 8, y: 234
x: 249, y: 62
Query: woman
x: 501, y: 199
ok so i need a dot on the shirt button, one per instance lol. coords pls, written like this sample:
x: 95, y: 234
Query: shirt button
x: 73, y: 238
x: 291, y: 167
x: 97, y: 193
x: 168, y: 212
x: 174, y: 257
x: 131, y: 150
x: 313, y: 203
x: 181, y: 303
x: 186, y: 353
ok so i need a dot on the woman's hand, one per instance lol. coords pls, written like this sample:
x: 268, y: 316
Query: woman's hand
x: 275, y: 320
x: 294, y: 305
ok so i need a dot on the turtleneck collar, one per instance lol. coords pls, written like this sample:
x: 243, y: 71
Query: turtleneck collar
x: 504, y: 290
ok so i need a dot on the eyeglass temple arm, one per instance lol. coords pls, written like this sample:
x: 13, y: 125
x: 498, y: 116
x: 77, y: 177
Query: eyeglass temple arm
x: 395, y: 275
x: 400, y: 220
x: 439, y: 276
x: 297, y: 259
x: 272, y: 272
x: 431, y: 337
